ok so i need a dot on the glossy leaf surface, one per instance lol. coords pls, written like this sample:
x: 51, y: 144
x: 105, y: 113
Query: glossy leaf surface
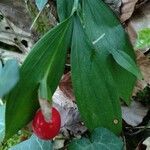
x: 93, y: 84
x: 106, y: 32
x: 64, y: 8
x: 46, y: 58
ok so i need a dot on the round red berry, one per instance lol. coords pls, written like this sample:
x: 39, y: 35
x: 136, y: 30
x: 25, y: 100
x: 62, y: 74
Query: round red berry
x: 46, y: 130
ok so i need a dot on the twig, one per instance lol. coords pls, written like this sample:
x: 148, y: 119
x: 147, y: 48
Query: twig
x: 38, y: 15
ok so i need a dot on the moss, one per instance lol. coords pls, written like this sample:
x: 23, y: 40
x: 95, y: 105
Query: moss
x: 17, y: 138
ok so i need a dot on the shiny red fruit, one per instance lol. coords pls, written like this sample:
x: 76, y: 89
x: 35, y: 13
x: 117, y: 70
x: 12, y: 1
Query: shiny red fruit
x: 46, y: 130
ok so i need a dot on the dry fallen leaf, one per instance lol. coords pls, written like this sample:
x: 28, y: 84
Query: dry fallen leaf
x: 147, y: 143
x: 141, y: 3
x: 66, y: 86
x: 144, y: 64
x: 70, y: 117
x: 141, y: 146
x: 114, y: 4
x: 131, y: 33
x: 139, y: 21
x: 134, y: 114
x: 12, y: 35
x: 16, y: 12
x: 5, y: 55
x: 127, y: 9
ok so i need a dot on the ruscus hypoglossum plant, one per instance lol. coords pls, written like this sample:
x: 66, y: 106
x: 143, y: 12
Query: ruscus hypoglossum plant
x: 103, y: 67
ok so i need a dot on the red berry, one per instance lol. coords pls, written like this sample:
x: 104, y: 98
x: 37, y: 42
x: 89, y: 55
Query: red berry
x: 46, y: 130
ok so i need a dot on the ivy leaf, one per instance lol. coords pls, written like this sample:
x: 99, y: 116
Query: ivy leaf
x: 125, y: 61
x: 143, y: 38
x: 47, y: 57
x: 34, y: 143
x: 94, y: 87
x: 41, y: 4
x: 101, y: 139
x: 2, y: 122
x: 9, y: 76
x: 106, y: 32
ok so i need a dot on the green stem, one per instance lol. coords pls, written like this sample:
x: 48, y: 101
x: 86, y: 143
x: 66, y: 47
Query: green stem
x: 44, y: 97
x: 1, y: 102
x: 38, y: 15
x: 75, y: 6
x: 44, y: 90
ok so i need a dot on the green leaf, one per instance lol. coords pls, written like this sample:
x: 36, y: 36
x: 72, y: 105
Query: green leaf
x: 2, y: 122
x: 125, y: 61
x: 105, y: 31
x: 96, y: 95
x: 143, y: 38
x: 101, y: 139
x: 44, y: 90
x: 41, y: 4
x: 9, y: 76
x: 48, y: 55
x: 34, y: 143
x: 64, y: 8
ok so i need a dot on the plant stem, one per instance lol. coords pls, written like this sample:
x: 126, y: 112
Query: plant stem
x: 38, y: 15
x: 75, y: 6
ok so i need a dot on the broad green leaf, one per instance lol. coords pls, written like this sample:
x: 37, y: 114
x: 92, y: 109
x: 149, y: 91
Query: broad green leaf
x: 2, y: 122
x: 101, y: 139
x: 105, y: 31
x: 96, y: 95
x: 34, y: 143
x: 40, y: 4
x: 48, y: 55
x: 64, y: 8
x: 143, y: 38
x: 125, y: 61
x: 9, y: 75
